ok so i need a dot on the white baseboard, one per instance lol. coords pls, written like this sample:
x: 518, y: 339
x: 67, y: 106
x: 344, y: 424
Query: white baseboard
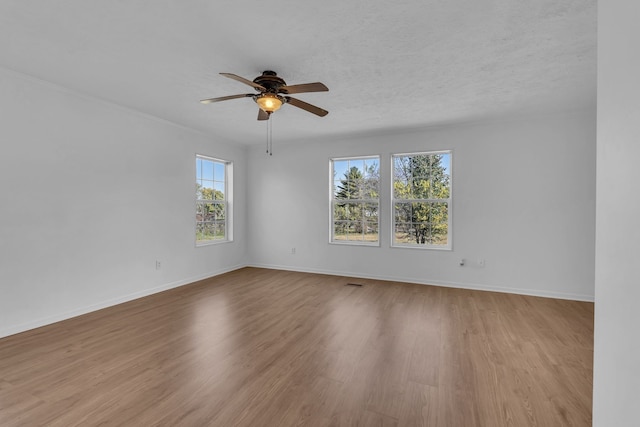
x: 446, y: 284
x: 37, y: 323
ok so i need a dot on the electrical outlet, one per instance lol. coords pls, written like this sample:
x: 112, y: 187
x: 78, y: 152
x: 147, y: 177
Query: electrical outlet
x: 481, y: 262
x: 158, y: 265
x: 293, y: 251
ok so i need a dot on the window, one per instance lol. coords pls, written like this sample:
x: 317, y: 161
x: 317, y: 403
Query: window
x: 355, y: 200
x: 422, y: 200
x: 212, y: 200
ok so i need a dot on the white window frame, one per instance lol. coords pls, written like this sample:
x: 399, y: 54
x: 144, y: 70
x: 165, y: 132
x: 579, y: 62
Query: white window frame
x: 449, y: 201
x: 332, y: 202
x: 227, y: 202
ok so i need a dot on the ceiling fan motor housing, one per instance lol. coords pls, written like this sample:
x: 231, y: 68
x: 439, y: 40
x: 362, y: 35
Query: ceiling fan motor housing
x: 270, y: 81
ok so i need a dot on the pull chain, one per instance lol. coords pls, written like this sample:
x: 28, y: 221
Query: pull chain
x: 268, y: 126
x: 269, y: 136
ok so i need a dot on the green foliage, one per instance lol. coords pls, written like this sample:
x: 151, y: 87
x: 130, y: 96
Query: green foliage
x: 210, y: 214
x: 357, y: 217
x: 421, y: 188
x: 204, y: 193
x: 351, y: 186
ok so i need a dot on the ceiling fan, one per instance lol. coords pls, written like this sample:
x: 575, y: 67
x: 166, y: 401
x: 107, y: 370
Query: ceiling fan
x: 273, y: 92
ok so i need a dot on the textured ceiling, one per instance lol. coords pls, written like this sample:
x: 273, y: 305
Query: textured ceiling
x: 388, y: 64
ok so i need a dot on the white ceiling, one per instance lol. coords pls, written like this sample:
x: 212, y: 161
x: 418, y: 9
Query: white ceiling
x: 388, y: 64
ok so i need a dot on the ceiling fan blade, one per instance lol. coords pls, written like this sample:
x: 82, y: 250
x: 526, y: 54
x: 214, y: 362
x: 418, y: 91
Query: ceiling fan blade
x: 243, y: 80
x: 225, y: 98
x: 306, y: 87
x: 262, y: 115
x: 306, y: 106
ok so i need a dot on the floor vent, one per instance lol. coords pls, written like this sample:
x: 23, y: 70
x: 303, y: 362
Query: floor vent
x: 354, y: 284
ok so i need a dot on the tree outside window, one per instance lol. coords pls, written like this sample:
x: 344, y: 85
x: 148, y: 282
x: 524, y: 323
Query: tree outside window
x: 355, y: 200
x: 422, y: 199
x: 211, y: 200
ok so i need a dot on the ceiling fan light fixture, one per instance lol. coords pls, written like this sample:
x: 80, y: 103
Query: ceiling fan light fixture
x: 269, y: 102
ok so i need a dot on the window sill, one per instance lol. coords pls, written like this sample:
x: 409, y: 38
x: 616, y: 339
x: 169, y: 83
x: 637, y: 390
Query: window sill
x: 424, y: 247
x: 212, y: 243
x: 355, y: 243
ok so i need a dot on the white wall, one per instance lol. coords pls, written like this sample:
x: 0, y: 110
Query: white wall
x: 617, y: 314
x: 524, y: 200
x: 91, y: 196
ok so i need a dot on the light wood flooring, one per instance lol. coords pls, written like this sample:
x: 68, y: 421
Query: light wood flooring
x: 259, y: 347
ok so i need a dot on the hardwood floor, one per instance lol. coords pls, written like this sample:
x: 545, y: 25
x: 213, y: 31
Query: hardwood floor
x: 259, y: 347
